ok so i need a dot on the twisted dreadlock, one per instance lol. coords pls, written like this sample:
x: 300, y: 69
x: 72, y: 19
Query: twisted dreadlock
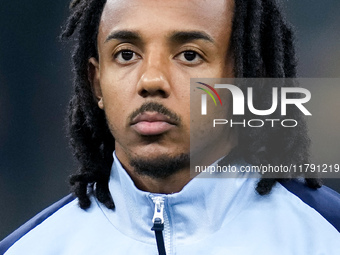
x: 263, y: 46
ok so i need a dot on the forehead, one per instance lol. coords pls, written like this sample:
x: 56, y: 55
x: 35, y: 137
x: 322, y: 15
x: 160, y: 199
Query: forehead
x: 162, y: 16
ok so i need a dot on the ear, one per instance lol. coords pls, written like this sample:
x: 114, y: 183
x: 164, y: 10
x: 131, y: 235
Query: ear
x: 94, y: 79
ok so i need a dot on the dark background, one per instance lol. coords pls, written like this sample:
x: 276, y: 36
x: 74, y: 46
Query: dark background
x: 35, y: 86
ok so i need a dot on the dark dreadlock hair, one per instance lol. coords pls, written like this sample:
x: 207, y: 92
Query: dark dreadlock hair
x: 263, y: 46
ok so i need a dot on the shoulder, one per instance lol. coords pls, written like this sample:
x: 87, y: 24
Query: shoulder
x: 6, y: 243
x: 323, y: 200
x: 65, y: 228
x: 284, y: 217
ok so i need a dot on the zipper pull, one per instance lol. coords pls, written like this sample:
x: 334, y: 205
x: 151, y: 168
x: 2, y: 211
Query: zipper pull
x: 158, y: 223
x: 159, y: 208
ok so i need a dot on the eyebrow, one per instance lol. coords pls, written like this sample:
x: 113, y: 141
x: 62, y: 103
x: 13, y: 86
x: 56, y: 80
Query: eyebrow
x: 188, y: 36
x: 124, y: 35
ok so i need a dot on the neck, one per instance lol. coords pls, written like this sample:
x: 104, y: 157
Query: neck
x: 169, y: 185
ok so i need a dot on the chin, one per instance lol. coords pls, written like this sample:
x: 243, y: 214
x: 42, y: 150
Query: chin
x: 160, y: 166
x: 156, y: 150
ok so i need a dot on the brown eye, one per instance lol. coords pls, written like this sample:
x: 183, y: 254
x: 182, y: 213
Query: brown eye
x: 125, y: 56
x: 190, y: 55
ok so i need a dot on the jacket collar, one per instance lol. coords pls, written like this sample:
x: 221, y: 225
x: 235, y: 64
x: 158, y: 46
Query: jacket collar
x: 199, y: 209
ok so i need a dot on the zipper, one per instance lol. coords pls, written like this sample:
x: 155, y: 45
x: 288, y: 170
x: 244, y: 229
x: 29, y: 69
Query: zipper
x: 166, y: 232
x: 160, y: 222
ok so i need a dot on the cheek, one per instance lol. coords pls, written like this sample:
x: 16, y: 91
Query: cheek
x: 116, y: 89
x: 115, y: 102
x: 221, y: 69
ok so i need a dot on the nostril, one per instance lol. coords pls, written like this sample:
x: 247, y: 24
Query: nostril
x: 144, y: 93
x: 148, y: 92
x: 162, y: 93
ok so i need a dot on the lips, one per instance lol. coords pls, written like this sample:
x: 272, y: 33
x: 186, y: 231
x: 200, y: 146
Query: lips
x: 152, y: 123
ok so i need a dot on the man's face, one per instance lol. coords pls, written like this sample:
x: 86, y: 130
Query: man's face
x: 148, y: 51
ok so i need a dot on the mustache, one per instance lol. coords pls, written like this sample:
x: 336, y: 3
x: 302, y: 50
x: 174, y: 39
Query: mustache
x: 156, y: 107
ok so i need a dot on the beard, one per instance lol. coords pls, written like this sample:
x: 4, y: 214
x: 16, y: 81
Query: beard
x: 161, y: 167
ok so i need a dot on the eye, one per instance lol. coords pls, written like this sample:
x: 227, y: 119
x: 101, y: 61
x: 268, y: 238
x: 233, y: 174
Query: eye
x: 190, y: 57
x: 125, y: 56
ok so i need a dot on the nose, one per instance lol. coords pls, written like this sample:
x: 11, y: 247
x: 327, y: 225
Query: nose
x: 154, y: 80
